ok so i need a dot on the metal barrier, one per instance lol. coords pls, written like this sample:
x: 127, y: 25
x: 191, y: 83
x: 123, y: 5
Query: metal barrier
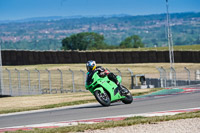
x: 34, y: 82
x: 172, y: 77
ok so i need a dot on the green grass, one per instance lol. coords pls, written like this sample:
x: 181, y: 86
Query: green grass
x: 150, y: 91
x: 110, y: 124
x: 48, y: 106
x: 176, y: 48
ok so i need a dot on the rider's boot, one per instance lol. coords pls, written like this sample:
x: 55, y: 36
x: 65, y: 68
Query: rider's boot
x: 122, y: 90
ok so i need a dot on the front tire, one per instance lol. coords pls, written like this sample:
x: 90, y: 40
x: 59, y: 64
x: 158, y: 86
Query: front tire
x: 128, y: 97
x: 102, y: 98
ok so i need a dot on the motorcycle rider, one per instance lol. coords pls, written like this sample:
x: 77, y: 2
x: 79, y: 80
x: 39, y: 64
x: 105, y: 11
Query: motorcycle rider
x: 91, y: 68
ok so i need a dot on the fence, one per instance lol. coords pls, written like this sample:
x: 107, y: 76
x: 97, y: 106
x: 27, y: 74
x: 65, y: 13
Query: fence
x: 33, y: 82
x: 171, y: 77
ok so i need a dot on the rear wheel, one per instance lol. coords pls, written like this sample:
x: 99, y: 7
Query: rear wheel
x: 128, y: 97
x: 102, y: 98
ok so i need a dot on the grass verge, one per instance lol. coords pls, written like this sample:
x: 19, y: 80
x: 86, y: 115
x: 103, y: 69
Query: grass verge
x: 110, y: 124
x: 148, y: 92
x: 69, y: 103
x: 48, y: 106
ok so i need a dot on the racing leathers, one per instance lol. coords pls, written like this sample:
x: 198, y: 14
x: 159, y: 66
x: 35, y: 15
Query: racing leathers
x: 103, y: 72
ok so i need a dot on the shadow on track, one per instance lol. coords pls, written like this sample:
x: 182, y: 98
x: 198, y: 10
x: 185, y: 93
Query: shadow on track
x: 98, y: 106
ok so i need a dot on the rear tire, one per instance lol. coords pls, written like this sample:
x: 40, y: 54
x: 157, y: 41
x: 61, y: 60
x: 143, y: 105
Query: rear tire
x: 128, y: 97
x: 102, y: 98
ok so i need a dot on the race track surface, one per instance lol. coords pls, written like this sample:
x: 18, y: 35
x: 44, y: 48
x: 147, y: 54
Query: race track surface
x: 95, y: 110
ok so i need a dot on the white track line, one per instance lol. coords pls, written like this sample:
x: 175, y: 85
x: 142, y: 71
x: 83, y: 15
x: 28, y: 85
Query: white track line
x: 96, y: 120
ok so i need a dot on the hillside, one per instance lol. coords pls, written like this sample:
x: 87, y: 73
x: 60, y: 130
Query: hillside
x: 43, y: 34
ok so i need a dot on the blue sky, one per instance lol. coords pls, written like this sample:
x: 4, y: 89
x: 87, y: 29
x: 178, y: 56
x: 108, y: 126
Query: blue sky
x: 19, y: 9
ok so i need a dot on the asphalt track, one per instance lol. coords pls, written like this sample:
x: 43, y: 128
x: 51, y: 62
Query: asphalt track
x: 95, y: 110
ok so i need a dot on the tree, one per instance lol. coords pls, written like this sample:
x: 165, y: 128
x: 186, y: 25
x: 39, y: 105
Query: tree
x: 84, y: 41
x: 132, y: 42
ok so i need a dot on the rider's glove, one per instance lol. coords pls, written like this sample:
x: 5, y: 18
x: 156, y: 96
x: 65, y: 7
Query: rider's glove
x: 102, y: 74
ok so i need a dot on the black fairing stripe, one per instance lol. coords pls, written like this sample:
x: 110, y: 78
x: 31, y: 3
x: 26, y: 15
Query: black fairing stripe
x: 116, y: 90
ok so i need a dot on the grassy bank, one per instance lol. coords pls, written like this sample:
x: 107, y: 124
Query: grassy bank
x: 111, y: 124
x: 27, y: 103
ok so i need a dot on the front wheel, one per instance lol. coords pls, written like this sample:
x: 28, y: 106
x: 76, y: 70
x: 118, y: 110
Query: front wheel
x: 102, y: 98
x: 128, y: 97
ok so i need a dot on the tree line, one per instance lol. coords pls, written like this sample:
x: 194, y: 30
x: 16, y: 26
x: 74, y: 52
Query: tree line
x: 94, y: 41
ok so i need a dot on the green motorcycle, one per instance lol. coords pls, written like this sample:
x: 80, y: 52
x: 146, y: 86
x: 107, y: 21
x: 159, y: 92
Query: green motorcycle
x: 105, y: 90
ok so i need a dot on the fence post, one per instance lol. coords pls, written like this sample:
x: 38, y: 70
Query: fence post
x: 188, y: 72
x: 10, y: 81
x: 161, y: 76
x: 39, y: 85
x: 174, y: 76
x: 132, y: 82
x: 49, y: 75
x: 29, y: 82
x: 73, y: 83
x: 120, y: 74
x: 164, y: 76
x: 84, y: 76
x: 19, y: 81
x: 61, y: 80
x: 197, y: 75
x: 136, y: 82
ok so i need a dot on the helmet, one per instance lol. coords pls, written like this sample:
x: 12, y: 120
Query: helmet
x: 91, y: 65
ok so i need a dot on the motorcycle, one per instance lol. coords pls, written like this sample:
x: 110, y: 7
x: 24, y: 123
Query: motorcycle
x: 105, y: 90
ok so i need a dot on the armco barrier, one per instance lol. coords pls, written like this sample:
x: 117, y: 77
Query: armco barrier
x: 160, y: 56
x: 152, y: 56
x: 68, y: 58
x: 104, y: 56
x: 97, y: 57
x: 75, y: 57
x: 166, y: 55
x: 61, y: 58
x: 144, y: 56
x: 83, y: 57
x: 31, y: 58
x: 177, y: 57
x: 135, y: 57
x: 12, y: 57
x: 127, y: 57
x: 186, y: 56
x: 111, y: 57
x: 89, y: 56
x: 119, y: 57
x: 196, y: 56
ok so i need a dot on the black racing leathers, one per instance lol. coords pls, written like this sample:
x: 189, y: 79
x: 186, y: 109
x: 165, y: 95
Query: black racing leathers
x: 103, y: 72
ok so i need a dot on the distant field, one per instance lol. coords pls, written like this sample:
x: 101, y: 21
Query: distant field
x: 137, y: 68
x: 176, y: 48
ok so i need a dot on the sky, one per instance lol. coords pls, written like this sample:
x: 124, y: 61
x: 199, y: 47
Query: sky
x: 20, y: 9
